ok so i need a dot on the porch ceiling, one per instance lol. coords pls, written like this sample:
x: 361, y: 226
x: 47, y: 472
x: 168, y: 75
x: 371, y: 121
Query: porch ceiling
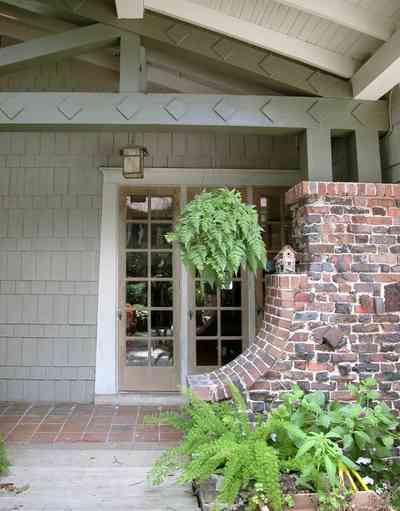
x: 333, y: 49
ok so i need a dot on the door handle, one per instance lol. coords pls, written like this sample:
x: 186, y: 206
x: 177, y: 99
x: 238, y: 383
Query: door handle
x: 119, y: 314
x: 190, y: 314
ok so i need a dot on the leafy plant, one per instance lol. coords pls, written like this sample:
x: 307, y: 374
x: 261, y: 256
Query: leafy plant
x: 217, y: 233
x: 219, y: 439
x: 4, y: 463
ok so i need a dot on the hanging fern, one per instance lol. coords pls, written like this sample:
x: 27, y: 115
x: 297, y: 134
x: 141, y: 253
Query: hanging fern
x: 217, y: 234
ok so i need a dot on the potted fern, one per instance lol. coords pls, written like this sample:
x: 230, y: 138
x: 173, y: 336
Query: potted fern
x: 217, y: 234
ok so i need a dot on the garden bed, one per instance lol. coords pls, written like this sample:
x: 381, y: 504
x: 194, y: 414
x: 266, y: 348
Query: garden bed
x: 206, y: 493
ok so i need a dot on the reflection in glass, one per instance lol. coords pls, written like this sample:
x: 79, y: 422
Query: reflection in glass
x: 136, y: 293
x: 136, y: 236
x: 272, y: 236
x: 136, y: 264
x: 231, y: 323
x: 162, y: 353
x: 137, y: 353
x: 137, y: 206
x: 158, y: 232
x: 161, y: 265
x: 162, y: 207
x: 232, y: 297
x: 206, y: 296
x: 137, y: 324
x: 162, y: 294
x: 162, y: 324
x: 206, y: 323
x: 230, y: 350
x: 207, y: 352
x: 274, y: 208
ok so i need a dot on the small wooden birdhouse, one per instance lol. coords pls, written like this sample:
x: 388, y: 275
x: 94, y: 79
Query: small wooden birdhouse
x: 285, y: 260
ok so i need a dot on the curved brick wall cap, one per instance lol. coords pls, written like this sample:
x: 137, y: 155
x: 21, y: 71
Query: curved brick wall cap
x: 286, y: 294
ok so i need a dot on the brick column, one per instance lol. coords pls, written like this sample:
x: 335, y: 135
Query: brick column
x: 339, y: 319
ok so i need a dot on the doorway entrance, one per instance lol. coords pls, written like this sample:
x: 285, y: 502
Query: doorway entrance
x: 149, y: 295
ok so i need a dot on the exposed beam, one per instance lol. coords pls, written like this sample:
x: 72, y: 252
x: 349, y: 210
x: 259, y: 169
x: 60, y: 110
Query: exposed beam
x: 223, y: 52
x: 348, y: 15
x: 133, y: 9
x: 251, y: 33
x: 65, y: 44
x: 25, y: 109
x: 132, y: 71
x: 380, y: 73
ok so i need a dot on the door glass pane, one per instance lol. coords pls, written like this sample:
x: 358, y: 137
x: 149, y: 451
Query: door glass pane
x: 137, y: 324
x: 137, y: 206
x: 274, y: 208
x: 162, y: 294
x: 207, y: 352
x: 162, y: 353
x: 232, y: 297
x: 231, y: 323
x: 161, y: 265
x: 206, y: 323
x: 158, y: 232
x: 137, y: 353
x: 230, y: 349
x: 206, y: 296
x: 136, y: 264
x: 136, y: 293
x: 162, y: 323
x: 136, y: 236
x: 162, y: 208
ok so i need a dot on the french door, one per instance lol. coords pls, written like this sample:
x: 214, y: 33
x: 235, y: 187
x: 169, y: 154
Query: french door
x: 149, y: 292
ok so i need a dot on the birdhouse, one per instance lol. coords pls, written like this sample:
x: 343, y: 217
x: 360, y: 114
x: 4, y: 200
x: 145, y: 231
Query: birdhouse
x: 285, y: 260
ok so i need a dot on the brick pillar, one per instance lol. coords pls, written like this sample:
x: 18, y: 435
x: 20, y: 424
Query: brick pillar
x: 338, y: 320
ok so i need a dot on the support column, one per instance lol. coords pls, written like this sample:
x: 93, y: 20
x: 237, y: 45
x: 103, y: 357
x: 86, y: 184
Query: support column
x: 368, y: 158
x: 183, y: 304
x: 316, y: 154
x: 132, y: 77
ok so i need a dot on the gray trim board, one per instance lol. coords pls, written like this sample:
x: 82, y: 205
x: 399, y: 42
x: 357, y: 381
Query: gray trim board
x: 134, y: 109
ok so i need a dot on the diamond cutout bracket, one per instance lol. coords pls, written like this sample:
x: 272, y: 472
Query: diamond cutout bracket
x: 178, y: 34
x: 265, y: 110
x: 176, y: 109
x: 69, y: 108
x: 225, y: 110
x: 127, y: 108
x: 12, y: 108
x: 223, y: 49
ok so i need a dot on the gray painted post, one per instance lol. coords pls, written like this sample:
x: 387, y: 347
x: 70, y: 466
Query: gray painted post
x: 369, y: 167
x: 131, y: 69
x: 318, y: 154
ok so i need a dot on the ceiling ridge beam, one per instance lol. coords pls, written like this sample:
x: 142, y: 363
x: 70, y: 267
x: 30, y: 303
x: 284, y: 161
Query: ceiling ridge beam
x: 256, y: 35
x: 348, y: 15
x: 65, y: 44
x: 380, y: 73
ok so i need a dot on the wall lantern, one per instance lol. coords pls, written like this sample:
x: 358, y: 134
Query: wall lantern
x: 133, y: 164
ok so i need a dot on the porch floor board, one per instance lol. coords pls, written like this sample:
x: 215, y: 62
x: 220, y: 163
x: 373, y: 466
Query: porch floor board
x: 38, y: 423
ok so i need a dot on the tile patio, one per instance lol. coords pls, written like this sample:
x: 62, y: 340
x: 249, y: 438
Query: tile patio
x: 36, y: 423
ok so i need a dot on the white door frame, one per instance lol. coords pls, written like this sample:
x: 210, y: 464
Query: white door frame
x: 106, y: 384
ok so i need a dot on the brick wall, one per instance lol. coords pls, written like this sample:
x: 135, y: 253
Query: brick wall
x: 330, y: 324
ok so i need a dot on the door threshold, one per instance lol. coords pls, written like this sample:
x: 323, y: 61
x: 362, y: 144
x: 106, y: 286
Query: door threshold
x: 141, y: 399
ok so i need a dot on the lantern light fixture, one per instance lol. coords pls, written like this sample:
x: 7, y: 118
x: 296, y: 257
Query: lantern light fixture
x: 133, y: 162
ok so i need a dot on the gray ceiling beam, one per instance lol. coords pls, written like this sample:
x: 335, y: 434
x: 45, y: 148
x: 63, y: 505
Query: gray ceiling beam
x: 56, y: 46
x: 248, y: 60
x: 182, y: 110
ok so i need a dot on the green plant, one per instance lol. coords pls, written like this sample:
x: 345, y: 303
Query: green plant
x: 219, y: 439
x: 217, y: 233
x: 4, y: 463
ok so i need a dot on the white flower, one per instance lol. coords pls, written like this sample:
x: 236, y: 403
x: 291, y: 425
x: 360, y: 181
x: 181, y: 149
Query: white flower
x: 273, y: 437
x: 363, y: 461
x: 368, y: 481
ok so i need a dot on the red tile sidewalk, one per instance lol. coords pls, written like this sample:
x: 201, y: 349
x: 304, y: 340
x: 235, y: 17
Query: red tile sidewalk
x: 71, y: 423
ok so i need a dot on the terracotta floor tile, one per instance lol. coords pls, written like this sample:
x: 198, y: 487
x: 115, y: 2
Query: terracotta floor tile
x: 29, y: 419
x: 9, y: 418
x: 127, y: 410
x: 43, y: 438
x: 40, y: 410
x: 69, y: 437
x: 123, y: 419
x: 55, y: 419
x: 73, y: 428
x: 49, y: 428
x: 121, y: 428
x: 94, y: 437
x: 146, y: 436
x: 121, y: 436
x: 170, y: 436
x: 21, y: 433
x: 98, y: 428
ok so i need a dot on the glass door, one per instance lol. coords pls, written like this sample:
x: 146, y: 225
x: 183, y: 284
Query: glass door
x: 148, y: 304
